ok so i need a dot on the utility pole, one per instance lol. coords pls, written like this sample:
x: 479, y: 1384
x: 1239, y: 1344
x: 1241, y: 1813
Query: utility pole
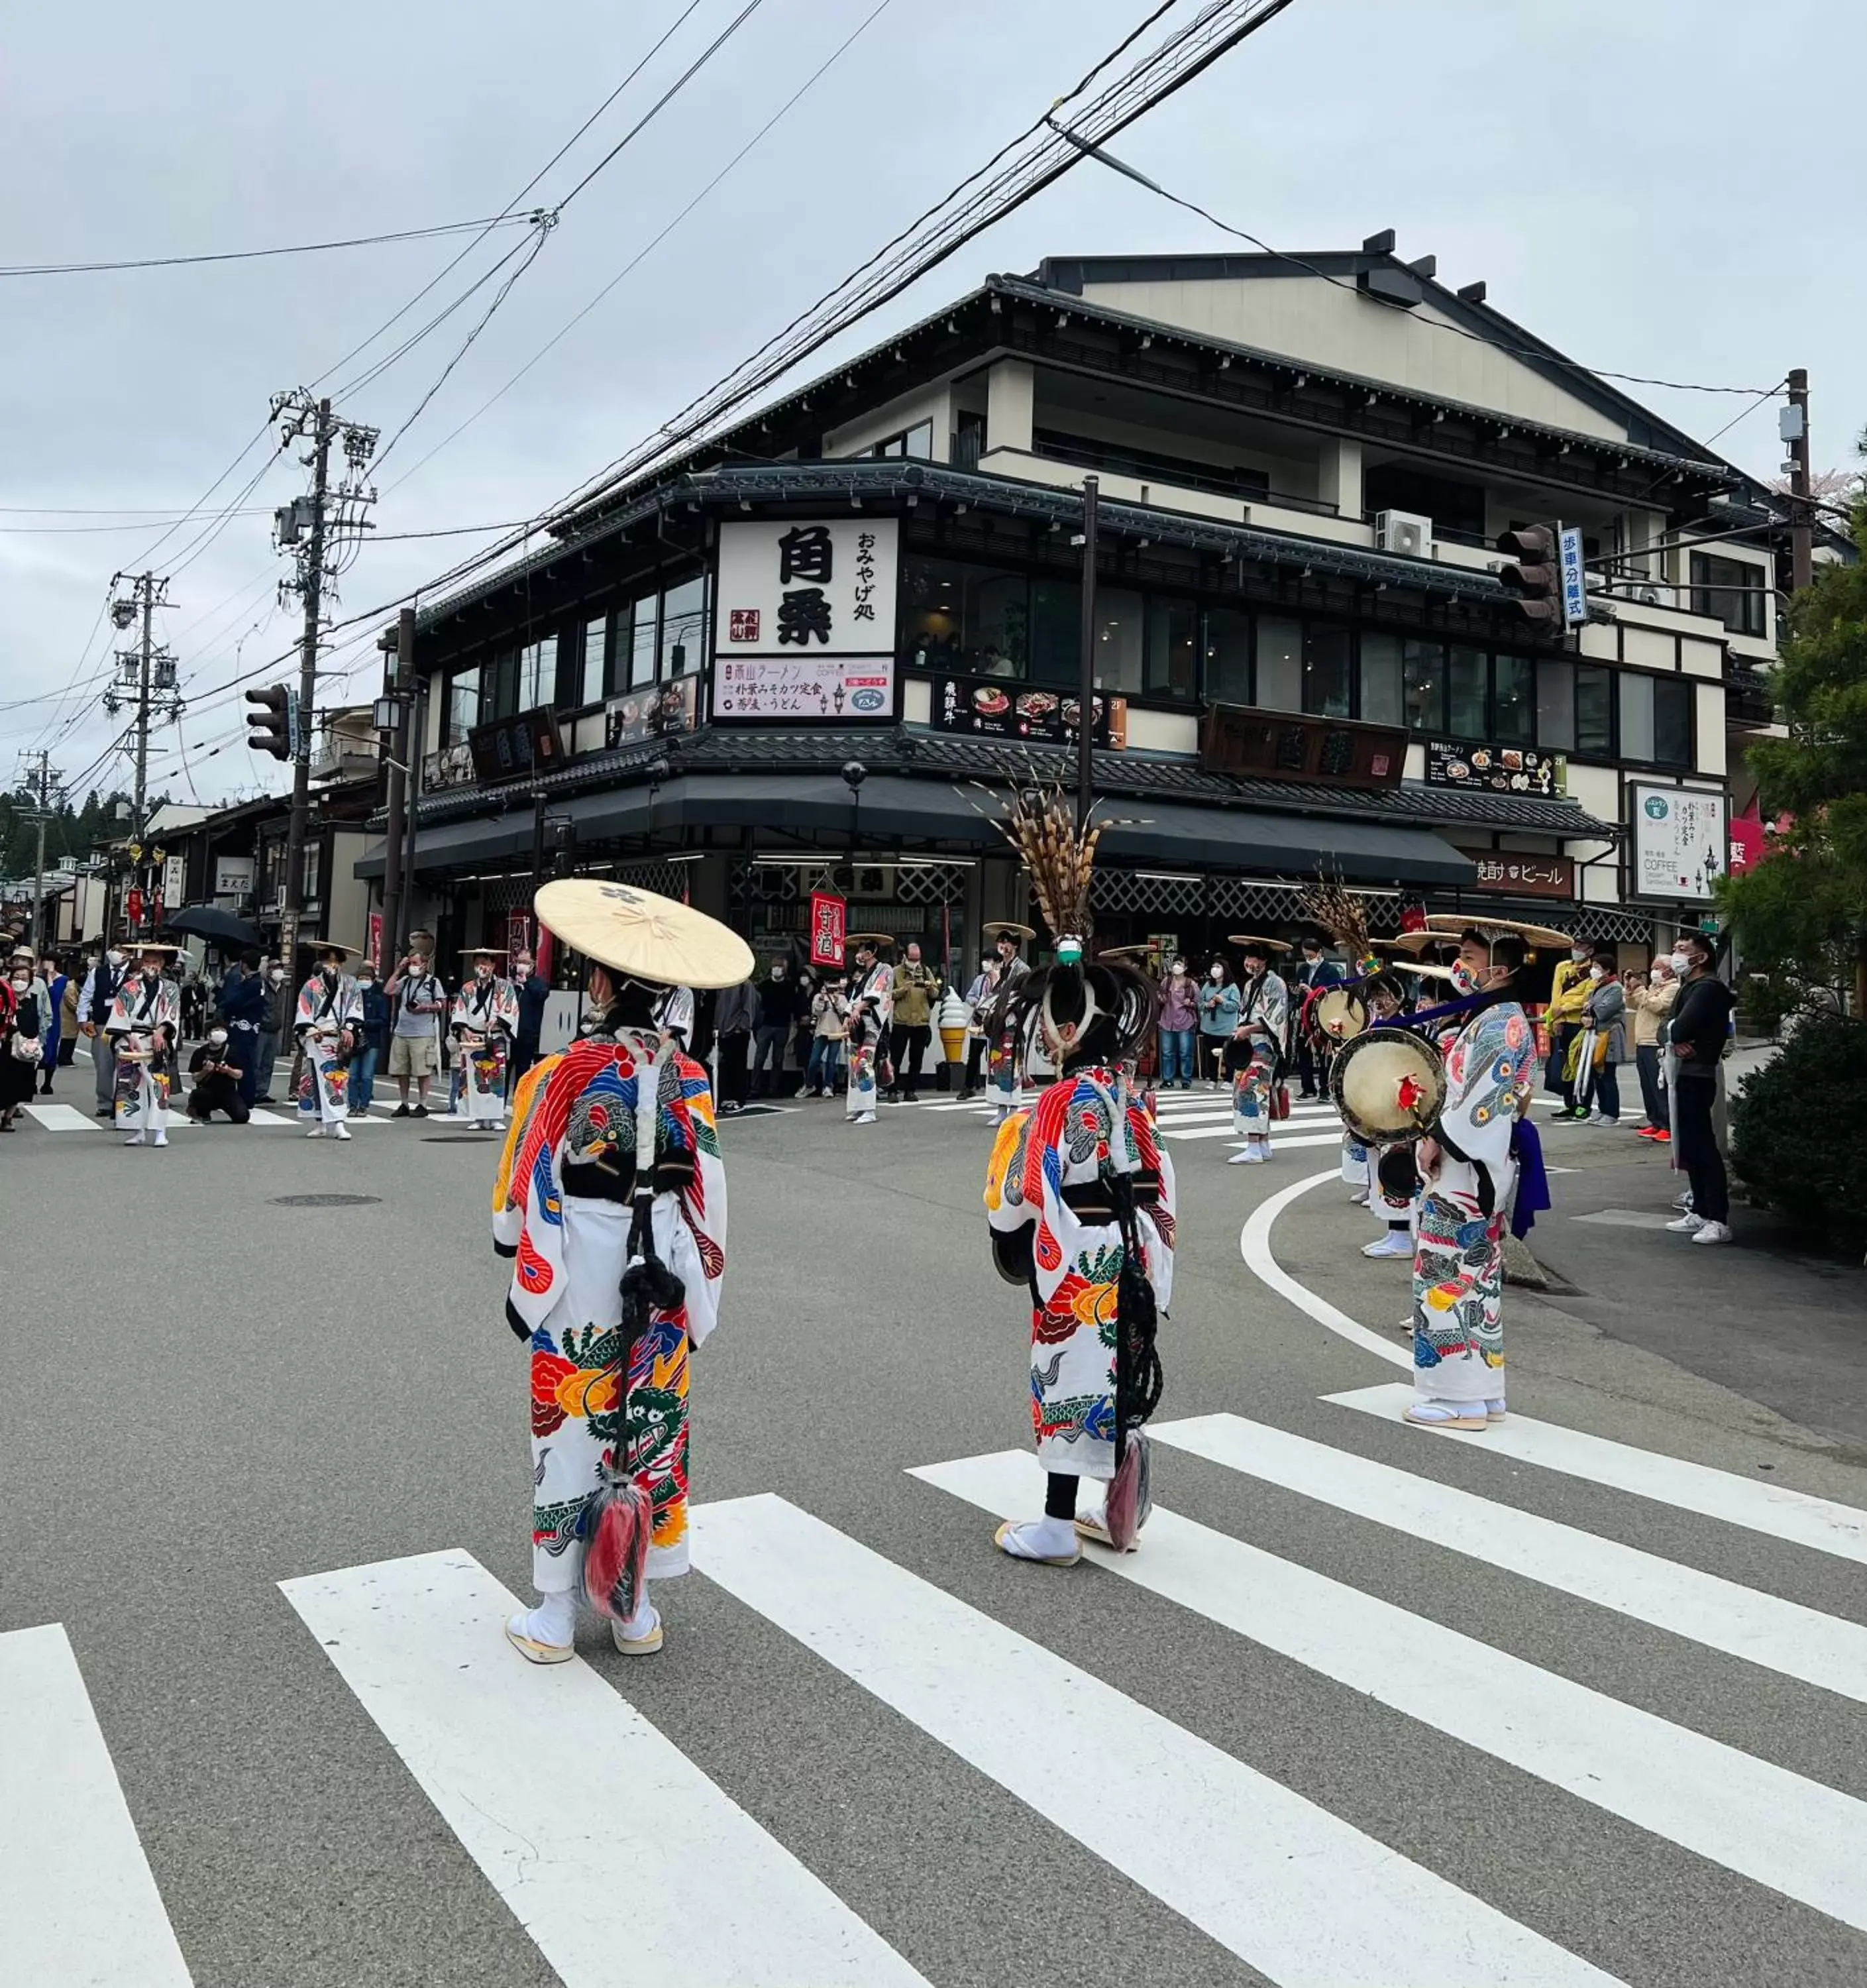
x: 47, y: 787
x: 1085, y: 710
x: 393, y: 706
x: 312, y: 526
x: 145, y: 679
x: 1801, y: 521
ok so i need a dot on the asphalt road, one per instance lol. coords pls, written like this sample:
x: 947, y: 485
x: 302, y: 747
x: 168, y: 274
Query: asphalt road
x: 1335, y: 1724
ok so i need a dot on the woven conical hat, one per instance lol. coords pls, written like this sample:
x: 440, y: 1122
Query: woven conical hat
x: 642, y: 935
x: 1531, y: 935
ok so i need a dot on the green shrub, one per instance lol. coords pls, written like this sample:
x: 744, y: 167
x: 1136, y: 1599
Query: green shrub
x: 1799, y: 1129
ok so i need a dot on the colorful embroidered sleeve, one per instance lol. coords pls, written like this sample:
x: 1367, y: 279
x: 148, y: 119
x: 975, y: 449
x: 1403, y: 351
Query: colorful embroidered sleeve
x: 508, y: 1205
x: 505, y: 1008
x: 685, y: 1123
x: 1005, y: 1207
x: 1484, y: 1071
x: 350, y: 1005
x: 307, y: 1008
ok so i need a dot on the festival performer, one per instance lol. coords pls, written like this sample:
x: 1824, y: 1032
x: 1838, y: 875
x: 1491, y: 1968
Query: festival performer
x: 144, y: 1030
x: 1079, y: 1204
x: 611, y: 1172
x: 330, y: 1013
x: 1469, y: 1168
x: 1002, y: 1058
x: 1257, y: 1051
x: 485, y: 1020
x: 869, y: 1011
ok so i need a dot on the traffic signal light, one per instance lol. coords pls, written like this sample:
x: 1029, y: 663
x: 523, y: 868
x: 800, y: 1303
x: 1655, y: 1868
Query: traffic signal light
x: 269, y: 728
x: 1529, y: 577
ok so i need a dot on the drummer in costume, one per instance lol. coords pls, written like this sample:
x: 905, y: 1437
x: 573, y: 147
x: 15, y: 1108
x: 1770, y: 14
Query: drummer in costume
x: 485, y: 1020
x: 1391, y: 1165
x: 144, y: 1029
x: 870, y: 1009
x: 1469, y: 1167
x: 1257, y: 1053
x: 1079, y: 1203
x: 328, y: 1026
x: 612, y: 1169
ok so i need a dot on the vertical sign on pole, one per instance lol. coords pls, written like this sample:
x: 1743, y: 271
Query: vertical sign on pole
x: 828, y: 917
x: 1574, y: 581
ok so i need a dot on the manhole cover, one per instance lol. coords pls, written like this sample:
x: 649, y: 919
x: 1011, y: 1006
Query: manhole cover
x: 324, y: 1200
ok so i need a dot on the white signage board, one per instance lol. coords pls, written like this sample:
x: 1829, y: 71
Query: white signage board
x: 1575, y: 580
x: 174, y: 881
x: 833, y: 690
x: 1681, y: 839
x: 810, y: 586
x: 233, y: 876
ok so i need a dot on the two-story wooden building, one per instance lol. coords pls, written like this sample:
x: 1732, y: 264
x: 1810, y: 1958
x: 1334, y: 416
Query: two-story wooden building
x: 810, y: 653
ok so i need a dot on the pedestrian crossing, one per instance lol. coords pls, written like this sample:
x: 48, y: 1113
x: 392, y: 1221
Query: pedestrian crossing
x: 55, y: 1117
x: 1304, y: 1895
x: 1199, y: 1115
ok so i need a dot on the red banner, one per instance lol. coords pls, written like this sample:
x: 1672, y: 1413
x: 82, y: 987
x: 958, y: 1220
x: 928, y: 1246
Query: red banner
x: 132, y: 906
x: 373, y: 938
x: 827, y: 917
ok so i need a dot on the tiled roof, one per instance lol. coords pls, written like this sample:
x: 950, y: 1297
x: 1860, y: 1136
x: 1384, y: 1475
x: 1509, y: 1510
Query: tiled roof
x: 945, y: 755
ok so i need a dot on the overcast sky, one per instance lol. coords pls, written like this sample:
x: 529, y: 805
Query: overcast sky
x: 1661, y: 187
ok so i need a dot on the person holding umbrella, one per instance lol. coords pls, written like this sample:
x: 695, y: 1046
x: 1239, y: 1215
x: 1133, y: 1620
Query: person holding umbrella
x: 611, y: 1199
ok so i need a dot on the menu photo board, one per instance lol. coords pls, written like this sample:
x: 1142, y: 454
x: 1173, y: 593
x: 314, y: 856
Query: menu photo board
x: 997, y: 708
x: 834, y: 690
x: 1499, y: 769
x: 1288, y: 746
x: 657, y: 711
x: 514, y: 748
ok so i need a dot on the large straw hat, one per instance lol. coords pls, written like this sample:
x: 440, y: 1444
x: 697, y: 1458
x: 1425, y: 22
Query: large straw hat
x: 1272, y: 948
x: 878, y: 941
x: 1531, y: 935
x: 1417, y: 942
x: 998, y: 928
x: 323, y: 945
x: 642, y: 935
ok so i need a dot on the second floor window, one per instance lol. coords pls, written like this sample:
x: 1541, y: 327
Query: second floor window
x: 1730, y: 590
x: 463, y: 705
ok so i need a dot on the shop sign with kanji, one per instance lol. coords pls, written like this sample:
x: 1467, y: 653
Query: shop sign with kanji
x: 808, y: 586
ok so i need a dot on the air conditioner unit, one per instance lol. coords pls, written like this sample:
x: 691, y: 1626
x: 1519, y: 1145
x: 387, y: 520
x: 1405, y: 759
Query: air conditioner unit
x: 1403, y: 532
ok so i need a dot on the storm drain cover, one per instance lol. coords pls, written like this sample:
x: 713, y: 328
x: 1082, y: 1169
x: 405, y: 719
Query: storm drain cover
x: 324, y: 1200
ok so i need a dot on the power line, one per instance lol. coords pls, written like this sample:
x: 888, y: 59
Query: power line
x: 256, y: 255
x: 655, y: 240
x: 1094, y: 151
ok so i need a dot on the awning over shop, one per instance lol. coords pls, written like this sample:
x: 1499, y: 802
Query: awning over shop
x: 778, y: 806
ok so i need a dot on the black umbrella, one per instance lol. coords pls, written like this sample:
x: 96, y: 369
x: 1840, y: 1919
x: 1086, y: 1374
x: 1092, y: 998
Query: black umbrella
x: 209, y: 921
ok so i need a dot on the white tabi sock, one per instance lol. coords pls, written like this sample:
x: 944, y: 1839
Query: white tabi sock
x: 554, y: 1621
x: 1043, y: 1539
x: 643, y: 1623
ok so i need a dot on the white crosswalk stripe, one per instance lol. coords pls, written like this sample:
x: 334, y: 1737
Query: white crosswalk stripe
x: 666, y: 1869
x: 1780, y: 1635
x: 78, y: 1905
x: 1233, y: 1851
x: 1794, y: 1516
x: 63, y: 1118
x: 1306, y: 1897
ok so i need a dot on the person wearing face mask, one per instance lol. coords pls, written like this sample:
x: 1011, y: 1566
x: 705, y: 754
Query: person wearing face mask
x: 1318, y: 970
x: 1652, y: 1006
x: 100, y: 986
x: 1218, y: 1021
x: 532, y: 990
x: 371, y: 1039
x: 485, y: 1019
x: 22, y: 1032
x: 1257, y: 1052
x: 979, y: 998
x: 1179, y: 1024
x: 1468, y: 1168
x: 414, y: 1049
x: 1697, y: 1038
x: 1568, y: 991
x: 217, y: 1081
x: 145, y: 1028
x: 1604, y: 1040
x: 329, y: 1015
x: 273, y: 1021
x: 242, y: 1007
x: 778, y: 1016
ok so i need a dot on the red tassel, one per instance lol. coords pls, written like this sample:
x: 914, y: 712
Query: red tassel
x: 621, y: 1519
x: 1130, y: 1495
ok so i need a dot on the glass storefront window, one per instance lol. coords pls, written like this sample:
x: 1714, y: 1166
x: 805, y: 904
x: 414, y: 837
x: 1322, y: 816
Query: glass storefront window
x: 1555, y: 706
x: 683, y: 627
x: 1466, y: 716
x: 1594, y: 711
x: 1329, y: 654
x: 1381, y: 700
x: 463, y: 705
x: 973, y: 620
x: 1173, y: 647
x: 1056, y: 633
x: 1120, y: 631
x: 1424, y: 666
x: 596, y: 652
x: 1280, y: 663
x: 538, y: 674
x: 1513, y: 689
x: 642, y: 642
x: 1672, y: 699
x: 1636, y: 716
x: 1228, y: 656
